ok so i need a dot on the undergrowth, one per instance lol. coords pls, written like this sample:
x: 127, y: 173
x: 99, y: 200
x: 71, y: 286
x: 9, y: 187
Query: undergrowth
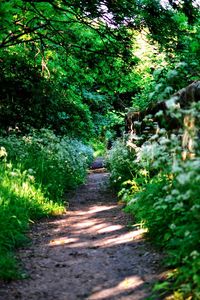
x: 35, y: 170
x: 163, y: 194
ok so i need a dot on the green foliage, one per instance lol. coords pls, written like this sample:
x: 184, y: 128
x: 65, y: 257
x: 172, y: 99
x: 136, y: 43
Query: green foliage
x: 120, y: 163
x: 21, y: 200
x: 161, y: 73
x: 63, y: 71
x: 166, y: 80
x: 163, y: 194
x: 35, y: 171
x: 99, y: 147
x: 31, y: 100
x: 58, y: 163
x: 75, y: 67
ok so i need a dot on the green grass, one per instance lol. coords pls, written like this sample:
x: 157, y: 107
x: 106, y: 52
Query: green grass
x: 21, y: 201
x: 35, y: 170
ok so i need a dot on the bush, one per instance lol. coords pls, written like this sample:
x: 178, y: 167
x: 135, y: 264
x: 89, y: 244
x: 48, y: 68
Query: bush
x: 35, y: 170
x: 163, y: 195
x: 120, y: 162
x: 20, y: 201
x: 57, y: 163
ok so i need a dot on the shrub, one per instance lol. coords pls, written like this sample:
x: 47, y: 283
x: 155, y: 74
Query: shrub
x: 120, y: 161
x: 163, y: 194
x: 34, y: 171
x: 20, y: 201
x: 58, y: 163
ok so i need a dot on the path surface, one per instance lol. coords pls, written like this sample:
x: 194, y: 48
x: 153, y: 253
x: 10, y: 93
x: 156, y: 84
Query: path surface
x: 89, y: 253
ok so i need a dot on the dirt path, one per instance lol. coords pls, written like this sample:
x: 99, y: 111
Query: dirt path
x: 89, y: 253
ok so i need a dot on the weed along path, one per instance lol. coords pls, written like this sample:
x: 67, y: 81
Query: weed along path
x: 88, y: 253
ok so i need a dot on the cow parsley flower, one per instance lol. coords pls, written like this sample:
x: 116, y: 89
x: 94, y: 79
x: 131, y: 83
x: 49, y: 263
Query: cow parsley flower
x: 184, y: 178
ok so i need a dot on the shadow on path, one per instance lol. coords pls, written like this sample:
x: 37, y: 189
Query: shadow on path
x: 87, y: 254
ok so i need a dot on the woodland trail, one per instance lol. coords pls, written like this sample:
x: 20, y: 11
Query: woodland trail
x: 88, y: 253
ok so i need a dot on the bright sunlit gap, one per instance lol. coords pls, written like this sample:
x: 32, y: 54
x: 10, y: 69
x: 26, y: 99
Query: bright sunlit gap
x: 103, y: 242
x: 129, y: 283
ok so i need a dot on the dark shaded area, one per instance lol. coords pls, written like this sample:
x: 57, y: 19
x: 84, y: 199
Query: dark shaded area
x: 183, y: 99
x: 98, y: 163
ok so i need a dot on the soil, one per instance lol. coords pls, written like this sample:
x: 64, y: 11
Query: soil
x: 88, y: 253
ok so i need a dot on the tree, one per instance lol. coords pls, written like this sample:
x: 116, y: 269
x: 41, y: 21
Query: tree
x: 80, y: 56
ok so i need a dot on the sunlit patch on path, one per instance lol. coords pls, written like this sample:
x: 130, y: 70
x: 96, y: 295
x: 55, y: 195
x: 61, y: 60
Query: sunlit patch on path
x: 89, y: 253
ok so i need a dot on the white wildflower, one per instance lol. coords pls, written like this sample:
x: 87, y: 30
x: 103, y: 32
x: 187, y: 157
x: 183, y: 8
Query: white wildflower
x: 162, y: 131
x: 184, y: 178
x: 14, y: 174
x: 171, y: 103
x: 31, y: 171
x: 153, y: 137
x: 168, y: 198
x: 193, y: 164
x: 178, y: 206
x: 172, y: 226
x: 176, y: 168
x: 195, y: 207
x: 187, y: 233
x: 186, y: 195
x: 159, y: 113
x: 31, y: 178
x: 3, y: 152
x: 194, y: 254
x: 174, y: 192
x: 181, y: 65
x: 171, y: 74
x: 163, y: 141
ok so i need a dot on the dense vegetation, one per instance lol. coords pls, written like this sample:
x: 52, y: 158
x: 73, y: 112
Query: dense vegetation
x: 35, y: 171
x: 69, y: 71
x: 161, y: 190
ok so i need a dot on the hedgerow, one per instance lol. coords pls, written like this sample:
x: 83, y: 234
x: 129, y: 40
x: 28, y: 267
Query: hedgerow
x: 35, y: 171
x: 163, y: 194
